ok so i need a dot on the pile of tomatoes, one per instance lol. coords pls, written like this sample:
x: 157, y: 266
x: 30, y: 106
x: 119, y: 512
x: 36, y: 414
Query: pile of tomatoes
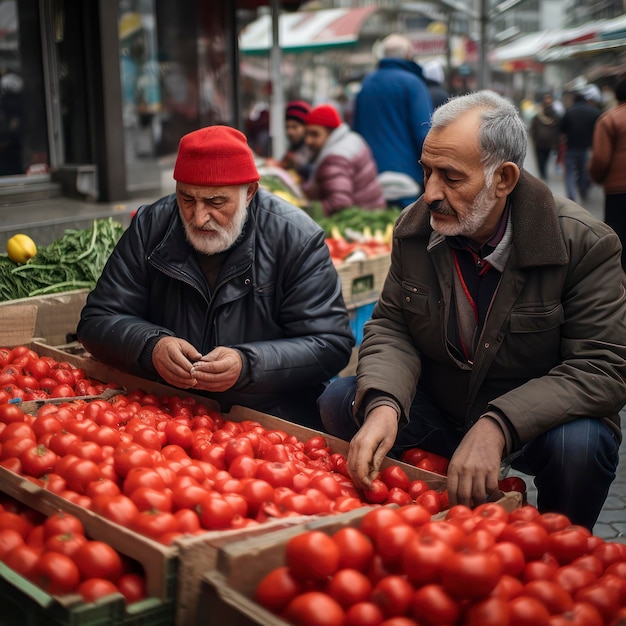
x: 480, y: 567
x: 54, y: 553
x: 168, y: 466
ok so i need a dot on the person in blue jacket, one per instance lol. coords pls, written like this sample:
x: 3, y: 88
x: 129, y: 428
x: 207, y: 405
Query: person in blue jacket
x: 392, y: 113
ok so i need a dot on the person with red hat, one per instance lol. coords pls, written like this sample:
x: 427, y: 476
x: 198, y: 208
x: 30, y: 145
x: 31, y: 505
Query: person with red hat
x: 297, y: 159
x: 344, y: 172
x: 223, y: 288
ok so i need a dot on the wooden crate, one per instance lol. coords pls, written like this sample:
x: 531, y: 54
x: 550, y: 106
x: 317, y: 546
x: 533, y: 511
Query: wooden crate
x: 199, y: 554
x: 363, y: 280
x: 228, y: 590
x: 158, y: 561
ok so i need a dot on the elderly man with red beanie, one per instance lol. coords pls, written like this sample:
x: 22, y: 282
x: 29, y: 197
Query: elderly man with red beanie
x: 223, y: 288
x: 344, y: 171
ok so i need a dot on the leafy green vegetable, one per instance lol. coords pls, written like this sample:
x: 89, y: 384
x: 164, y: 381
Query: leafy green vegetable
x: 356, y: 218
x: 74, y: 261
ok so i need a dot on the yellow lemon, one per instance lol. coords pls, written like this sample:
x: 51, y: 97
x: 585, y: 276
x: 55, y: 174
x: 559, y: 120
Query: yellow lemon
x: 20, y: 248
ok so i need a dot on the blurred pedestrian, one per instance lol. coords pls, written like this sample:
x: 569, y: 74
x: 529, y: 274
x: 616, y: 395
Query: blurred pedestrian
x: 297, y: 159
x: 576, y: 128
x: 392, y: 113
x: 545, y: 134
x: 344, y: 171
x: 435, y: 77
x: 607, y: 166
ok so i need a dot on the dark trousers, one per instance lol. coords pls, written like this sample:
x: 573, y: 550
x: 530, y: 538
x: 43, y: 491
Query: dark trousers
x: 573, y: 464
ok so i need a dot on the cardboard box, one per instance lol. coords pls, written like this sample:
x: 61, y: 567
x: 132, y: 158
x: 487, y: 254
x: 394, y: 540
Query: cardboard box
x: 227, y: 592
x: 57, y: 315
x: 363, y: 280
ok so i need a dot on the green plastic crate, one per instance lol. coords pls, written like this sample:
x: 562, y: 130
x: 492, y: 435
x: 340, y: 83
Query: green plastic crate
x: 24, y: 604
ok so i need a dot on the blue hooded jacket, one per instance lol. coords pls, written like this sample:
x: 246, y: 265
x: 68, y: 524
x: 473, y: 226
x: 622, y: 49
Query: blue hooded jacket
x: 392, y: 113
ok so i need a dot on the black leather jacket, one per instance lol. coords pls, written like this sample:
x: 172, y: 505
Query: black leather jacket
x: 277, y: 299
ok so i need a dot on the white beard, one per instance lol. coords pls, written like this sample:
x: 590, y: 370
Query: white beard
x: 213, y: 238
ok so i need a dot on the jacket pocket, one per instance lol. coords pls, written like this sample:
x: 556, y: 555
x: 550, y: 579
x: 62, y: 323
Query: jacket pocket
x: 537, y: 319
x: 415, y: 297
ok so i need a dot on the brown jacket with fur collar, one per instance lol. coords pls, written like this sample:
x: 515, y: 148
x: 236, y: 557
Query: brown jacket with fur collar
x: 553, y: 347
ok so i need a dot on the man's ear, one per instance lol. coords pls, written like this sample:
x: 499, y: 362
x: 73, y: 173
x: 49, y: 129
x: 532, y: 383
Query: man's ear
x: 506, y: 177
x: 252, y: 189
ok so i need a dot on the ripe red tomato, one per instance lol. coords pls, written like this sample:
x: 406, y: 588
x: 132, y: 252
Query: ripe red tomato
x: 377, y: 493
x: 312, y: 555
x: 37, y: 460
x: 379, y: 518
x: 528, y: 611
x: 355, y: 548
x: 96, y: 559
x: 9, y: 539
x: 392, y: 594
x: 431, y: 604
x: 142, y: 477
x: 430, y: 500
x: 93, y: 589
x: 314, y: 608
x: 365, y: 614
x: 550, y: 594
x: 60, y: 523
x: 390, y: 543
x: 540, y: 569
x: 132, y: 587
x: 65, y: 543
x: 62, y: 391
x: 471, y: 573
x: 150, y: 499
x: 605, y: 598
x: 22, y: 559
x: 415, y: 515
x: 349, y: 586
x: 526, y: 513
x: 531, y: 537
x: 572, y: 578
x: 17, y: 522
x: 155, y: 524
x: 119, y: 509
x: 215, y: 513
x: 395, y: 476
x: 568, y: 544
x: 513, y: 561
x: 277, y: 589
x: 424, y: 558
x: 55, y: 573
x: 11, y: 413
x: 492, y: 611
x: 553, y: 521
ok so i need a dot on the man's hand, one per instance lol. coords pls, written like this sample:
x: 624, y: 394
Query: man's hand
x: 172, y: 358
x: 474, y: 467
x: 218, y: 370
x: 370, y: 445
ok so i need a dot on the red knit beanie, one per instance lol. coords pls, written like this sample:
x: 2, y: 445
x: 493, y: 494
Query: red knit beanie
x: 323, y: 115
x: 297, y: 110
x: 215, y: 156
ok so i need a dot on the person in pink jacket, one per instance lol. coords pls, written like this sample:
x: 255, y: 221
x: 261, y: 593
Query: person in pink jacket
x: 607, y: 165
x: 344, y: 171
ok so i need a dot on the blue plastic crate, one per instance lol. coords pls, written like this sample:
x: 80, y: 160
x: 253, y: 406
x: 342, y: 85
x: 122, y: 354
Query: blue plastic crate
x: 358, y: 316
